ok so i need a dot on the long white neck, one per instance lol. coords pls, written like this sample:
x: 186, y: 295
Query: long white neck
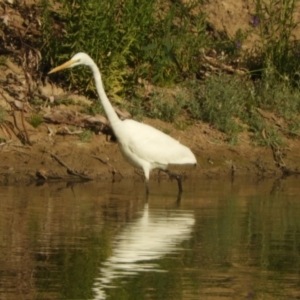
x: 109, y: 110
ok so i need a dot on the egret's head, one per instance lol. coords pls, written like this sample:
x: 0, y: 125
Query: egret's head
x: 78, y: 59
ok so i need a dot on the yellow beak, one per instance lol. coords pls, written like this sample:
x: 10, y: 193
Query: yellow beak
x: 63, y: 66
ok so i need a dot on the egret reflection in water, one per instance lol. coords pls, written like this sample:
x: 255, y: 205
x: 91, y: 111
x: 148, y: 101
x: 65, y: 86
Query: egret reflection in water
x: 155, y: 234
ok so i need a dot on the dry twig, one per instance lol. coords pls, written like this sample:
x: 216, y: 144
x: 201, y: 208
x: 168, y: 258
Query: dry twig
x: 69, y: 170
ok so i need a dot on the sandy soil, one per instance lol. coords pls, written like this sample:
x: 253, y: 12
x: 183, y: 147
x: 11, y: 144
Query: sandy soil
x: 66, y: 157
x: 54, y: 154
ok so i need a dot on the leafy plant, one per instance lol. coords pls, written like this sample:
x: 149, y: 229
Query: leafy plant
x: 277, y: 49
x: 151, y: 40
x: 294, y: 128
x: 220, y: 102
x: 94, y: 109
x: 174, y: 52
x: 164, y: 108
x: 283, y: 99
x: 136, y: 107
x: 3, y: 60
x: 65, y: 102
x: 263, y: 133
x: 36, y: 120
x: 109, y: 31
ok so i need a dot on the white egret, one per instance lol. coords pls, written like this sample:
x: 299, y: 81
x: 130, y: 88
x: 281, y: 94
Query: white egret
x: 142, y: 146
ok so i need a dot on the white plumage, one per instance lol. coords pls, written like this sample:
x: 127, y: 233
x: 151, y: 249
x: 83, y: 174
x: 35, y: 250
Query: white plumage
x: 142, y: 146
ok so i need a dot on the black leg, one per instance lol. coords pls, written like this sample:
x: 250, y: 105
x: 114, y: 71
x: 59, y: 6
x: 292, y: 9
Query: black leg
x: 175, y: 176
x: 178, y: 198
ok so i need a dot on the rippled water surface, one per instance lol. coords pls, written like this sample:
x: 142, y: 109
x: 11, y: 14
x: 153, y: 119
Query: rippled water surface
x: 101, y: 240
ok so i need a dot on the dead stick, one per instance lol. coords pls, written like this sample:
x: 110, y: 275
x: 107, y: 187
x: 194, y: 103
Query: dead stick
x: 24, y: 127
x: 15, y: 121
x: 70, y: 171
x: 20, y: 134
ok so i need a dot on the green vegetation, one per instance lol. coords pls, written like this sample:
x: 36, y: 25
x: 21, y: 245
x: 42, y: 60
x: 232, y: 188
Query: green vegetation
x: 94, y: 109
x: 162, y: 44
x: 86, y: 136
x: 36, y: 120
x: 127, y: 41
x: 3, y: 60
x: 219, y: 101
x: 163, y: 108
x: 277, y: 52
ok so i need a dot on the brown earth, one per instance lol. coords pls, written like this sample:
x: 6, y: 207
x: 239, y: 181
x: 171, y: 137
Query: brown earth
x: 52, y: 151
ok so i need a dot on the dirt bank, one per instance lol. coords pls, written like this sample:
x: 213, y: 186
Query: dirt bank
x: 55, y: 151
x: 66, y: 157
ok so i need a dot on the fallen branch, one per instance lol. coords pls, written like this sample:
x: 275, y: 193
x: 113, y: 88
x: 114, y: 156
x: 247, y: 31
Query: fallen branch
x: 66, y: 130
x: 69, y: 170
x: 215, y: 64
x: 19, y: 135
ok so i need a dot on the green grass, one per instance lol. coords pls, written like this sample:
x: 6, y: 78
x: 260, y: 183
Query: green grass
x: 277, y: 51
x: 220, y: 101
x: 164, y: 107
x: 86, y: 136
x: 3, y: 60
x: 94, y: 109
x: 36, y: 120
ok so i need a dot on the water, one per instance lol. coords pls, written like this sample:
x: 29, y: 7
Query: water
x: 224, y: 240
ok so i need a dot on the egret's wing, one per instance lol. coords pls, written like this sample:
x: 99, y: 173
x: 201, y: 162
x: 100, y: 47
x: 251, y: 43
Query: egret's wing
x: 155, y: 146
